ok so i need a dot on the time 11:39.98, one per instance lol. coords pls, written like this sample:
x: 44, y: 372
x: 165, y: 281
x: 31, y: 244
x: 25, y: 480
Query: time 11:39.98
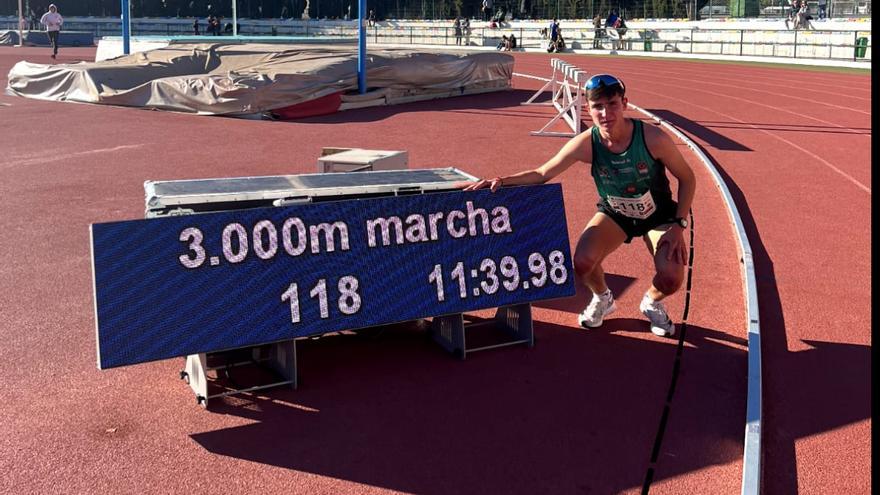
x: 490, y: 276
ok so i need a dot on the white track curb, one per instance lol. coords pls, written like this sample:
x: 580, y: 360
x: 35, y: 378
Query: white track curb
x: 751, y: 480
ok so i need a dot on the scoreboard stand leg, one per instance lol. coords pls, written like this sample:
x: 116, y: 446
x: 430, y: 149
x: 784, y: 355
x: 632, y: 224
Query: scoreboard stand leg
x: 279, y: 357
x: 515, y: 321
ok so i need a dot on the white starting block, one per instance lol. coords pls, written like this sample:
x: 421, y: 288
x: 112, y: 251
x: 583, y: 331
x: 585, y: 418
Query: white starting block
x: 356, y: 160
x: 568, y: 104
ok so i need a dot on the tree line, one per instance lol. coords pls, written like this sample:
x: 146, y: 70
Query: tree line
x: 385, y: 9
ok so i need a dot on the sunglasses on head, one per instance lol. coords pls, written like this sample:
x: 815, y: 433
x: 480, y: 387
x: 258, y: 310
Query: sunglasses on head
x: 603, y: 80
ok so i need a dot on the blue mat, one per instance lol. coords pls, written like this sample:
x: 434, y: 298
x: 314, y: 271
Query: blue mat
x: 65, y: 38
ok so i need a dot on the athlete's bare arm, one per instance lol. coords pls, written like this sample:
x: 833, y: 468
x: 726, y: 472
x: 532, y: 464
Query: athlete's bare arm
x: 576, y: 149
x: 664, y: 149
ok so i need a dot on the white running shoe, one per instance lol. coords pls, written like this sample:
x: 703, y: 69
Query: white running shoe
x: 655, y: 311
x: 597, y: 310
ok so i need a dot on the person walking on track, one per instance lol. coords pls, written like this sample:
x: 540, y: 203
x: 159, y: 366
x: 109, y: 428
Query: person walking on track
x: 53, y: 21
x: 628, y: 162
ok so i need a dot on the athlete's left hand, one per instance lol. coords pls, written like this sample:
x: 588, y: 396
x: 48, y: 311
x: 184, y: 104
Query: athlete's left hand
x: 677, y: 250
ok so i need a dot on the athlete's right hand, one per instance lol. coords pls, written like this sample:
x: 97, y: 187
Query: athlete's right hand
x: 493, y: 184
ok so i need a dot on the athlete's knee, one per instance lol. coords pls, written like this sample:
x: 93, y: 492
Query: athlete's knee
x: 668, y: 281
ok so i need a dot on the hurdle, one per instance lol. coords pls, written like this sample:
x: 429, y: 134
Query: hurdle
x: 568, y: 104
x: 549, y: 85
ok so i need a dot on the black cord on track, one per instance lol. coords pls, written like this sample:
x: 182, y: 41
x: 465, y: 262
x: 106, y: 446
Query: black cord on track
x: 676, y: 366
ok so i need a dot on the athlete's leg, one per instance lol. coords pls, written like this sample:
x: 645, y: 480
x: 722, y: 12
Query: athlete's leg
x: 669, y: 274
x: 601, y: 237
x: 53, y: 39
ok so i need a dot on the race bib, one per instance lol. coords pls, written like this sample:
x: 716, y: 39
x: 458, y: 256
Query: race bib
x: 640, y: 207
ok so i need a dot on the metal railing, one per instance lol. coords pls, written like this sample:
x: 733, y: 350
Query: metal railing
x: 797, y: 44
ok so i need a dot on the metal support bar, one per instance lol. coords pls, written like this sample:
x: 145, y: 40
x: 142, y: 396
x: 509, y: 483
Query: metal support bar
x: 516, y: 321
x: 280, y: 358
x: 549, y: 85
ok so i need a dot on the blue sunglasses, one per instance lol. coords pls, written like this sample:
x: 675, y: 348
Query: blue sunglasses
x: 603, y: 80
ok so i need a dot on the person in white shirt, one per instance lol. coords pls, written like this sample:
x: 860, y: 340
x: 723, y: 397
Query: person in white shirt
x: 53, y: 21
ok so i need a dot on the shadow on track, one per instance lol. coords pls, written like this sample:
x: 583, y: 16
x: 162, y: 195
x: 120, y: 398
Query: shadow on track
x: 716, y: 140
x: 618, y: 284
x: 578, y: 413
x: 820, y: 400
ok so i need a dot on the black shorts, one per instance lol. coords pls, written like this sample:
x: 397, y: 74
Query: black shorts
x: 634, y: 227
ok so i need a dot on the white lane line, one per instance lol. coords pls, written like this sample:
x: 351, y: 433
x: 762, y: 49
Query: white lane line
x: 58, y: 156
x: 822, y: 88
x: 785, y: 96
x: 780, y: 138
x: 774, y: 136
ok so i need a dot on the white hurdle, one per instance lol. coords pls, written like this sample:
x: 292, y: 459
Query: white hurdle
x: 569, y: 104
x: 552, y: 84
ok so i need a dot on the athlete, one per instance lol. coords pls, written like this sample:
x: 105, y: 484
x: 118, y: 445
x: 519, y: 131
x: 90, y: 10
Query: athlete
x: 628, y: 162
x: 53, y: 21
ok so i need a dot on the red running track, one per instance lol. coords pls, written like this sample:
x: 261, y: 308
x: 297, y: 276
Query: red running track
x: 393, y: 413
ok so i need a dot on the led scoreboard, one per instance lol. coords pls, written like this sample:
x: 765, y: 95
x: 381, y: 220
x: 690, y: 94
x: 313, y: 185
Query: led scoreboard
x: 179, y: 285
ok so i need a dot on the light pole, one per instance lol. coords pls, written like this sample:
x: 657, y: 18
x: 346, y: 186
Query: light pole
x: 362, y: 47
x: 20, y: 18
x: 126, y: 27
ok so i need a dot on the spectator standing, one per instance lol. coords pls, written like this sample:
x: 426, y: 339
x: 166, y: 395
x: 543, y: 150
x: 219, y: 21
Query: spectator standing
x: 611, y: 24
x: 553, y: 29
x: 611, y: 21
x: 35, y: 21
x: 196, y: 26
x: 53, y: 21
x: 823, y: 5
x: 597, y: 32
x: 371, y: 18
x: 466, y: 30
x: 803, y: 18
x: 487, y: 9
x: 793, y: 8
x: 621, y: 32
x: 456, y: 25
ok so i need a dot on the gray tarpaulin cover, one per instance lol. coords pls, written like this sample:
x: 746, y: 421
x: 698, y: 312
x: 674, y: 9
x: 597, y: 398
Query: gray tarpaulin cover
x: 247, y: 79
x: 8, y: 38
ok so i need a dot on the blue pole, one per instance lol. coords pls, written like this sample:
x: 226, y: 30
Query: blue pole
x: 362, y: 47
x: 126, y: 33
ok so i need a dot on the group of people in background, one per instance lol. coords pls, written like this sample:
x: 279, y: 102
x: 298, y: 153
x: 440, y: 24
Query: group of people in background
x: 507, y: 43
x: 615, y: 28
x: 462, y: 27
x: 799, y: 15
x: 215, y: 26
x: 554, y: 33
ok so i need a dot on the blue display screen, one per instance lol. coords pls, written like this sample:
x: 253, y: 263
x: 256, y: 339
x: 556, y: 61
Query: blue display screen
x: 172, y: 286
